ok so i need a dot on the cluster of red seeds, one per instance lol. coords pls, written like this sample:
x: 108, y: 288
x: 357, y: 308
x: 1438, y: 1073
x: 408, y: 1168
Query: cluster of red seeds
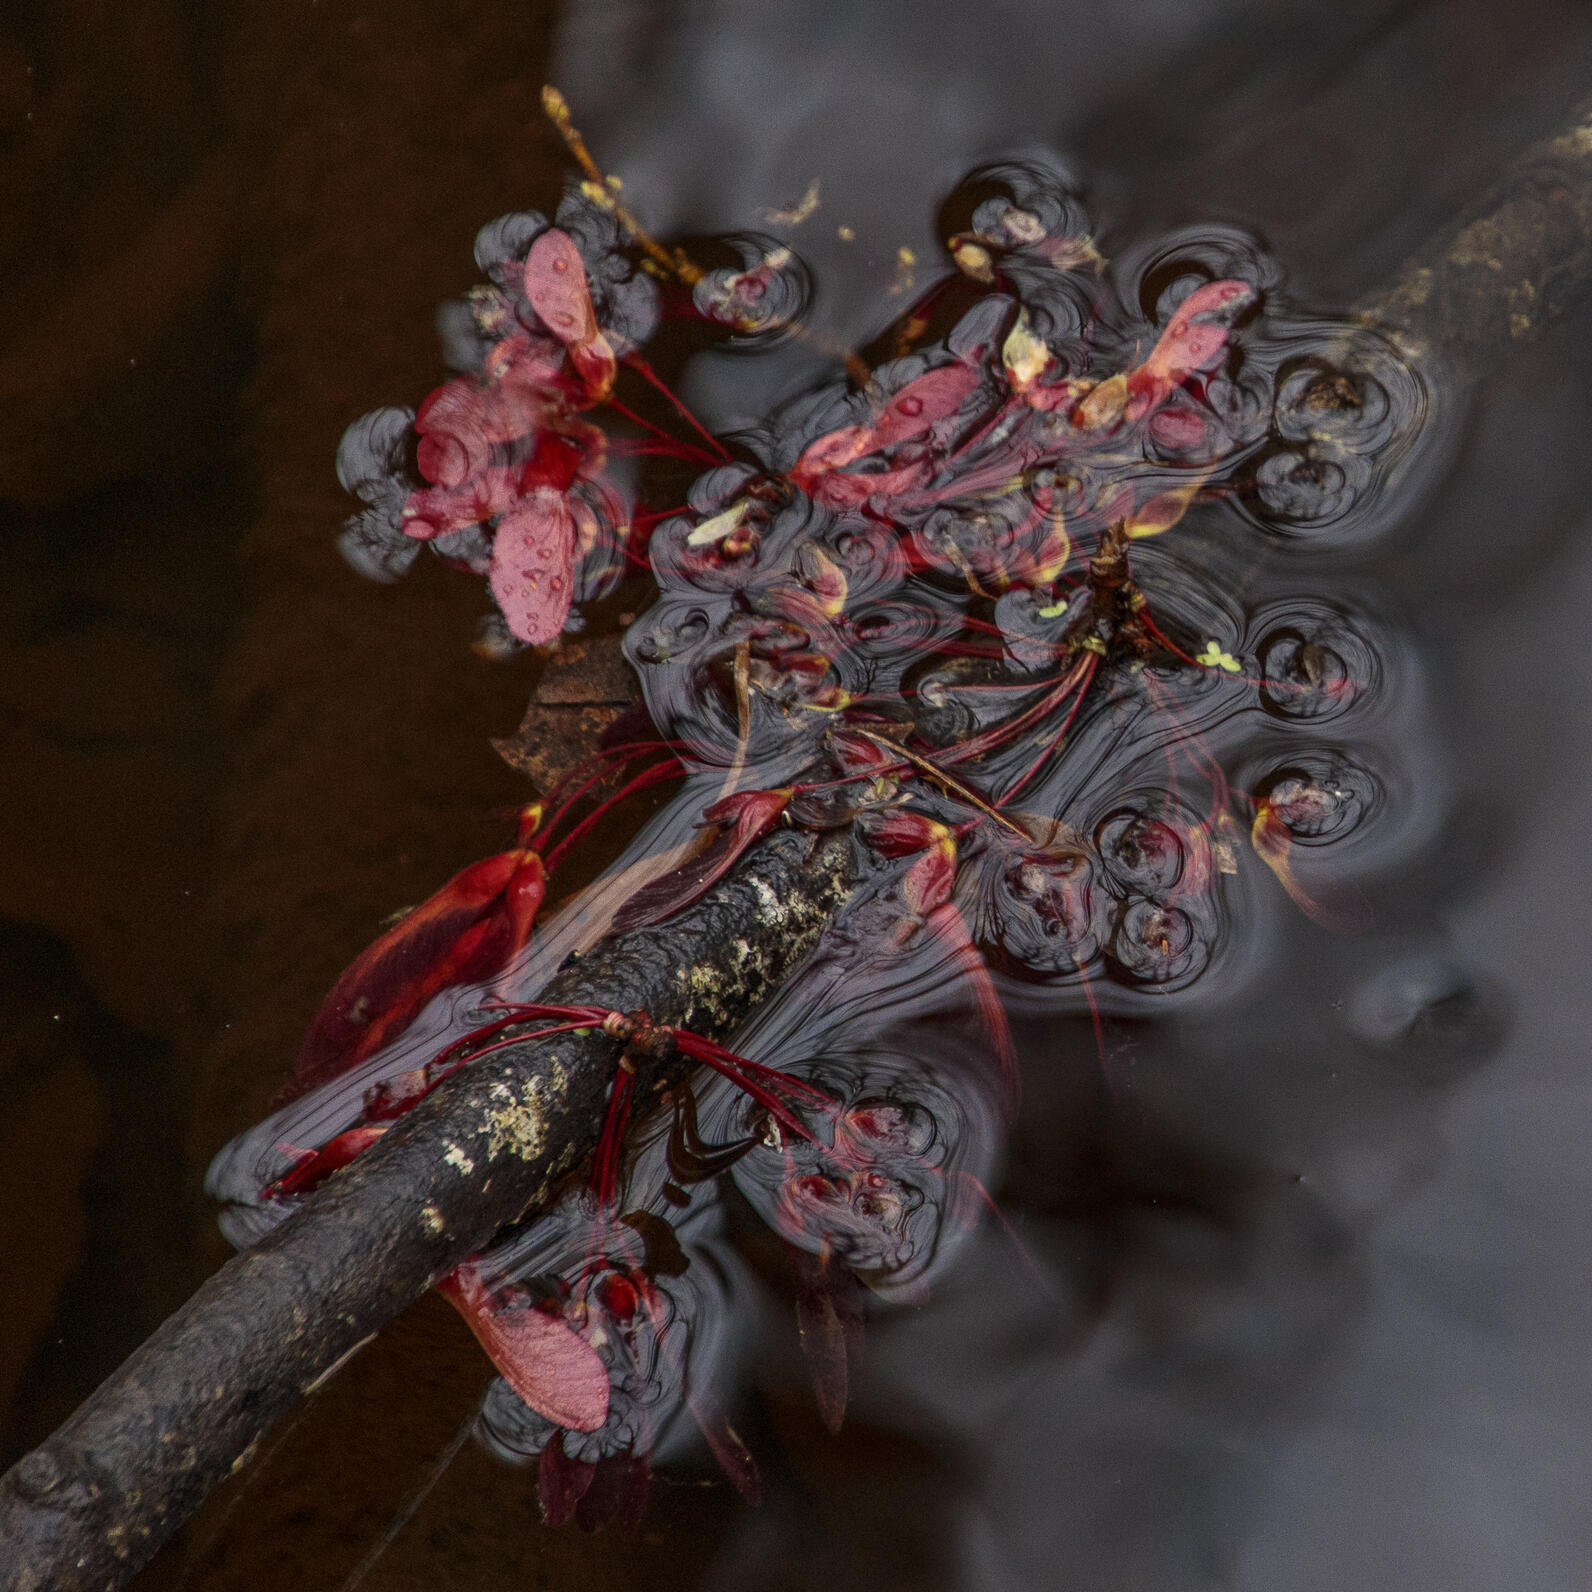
x: 913, y: 593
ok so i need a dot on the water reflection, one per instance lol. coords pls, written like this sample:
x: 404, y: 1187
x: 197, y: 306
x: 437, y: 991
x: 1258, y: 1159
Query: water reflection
x: 1306, y: 761
x: 919, y: 608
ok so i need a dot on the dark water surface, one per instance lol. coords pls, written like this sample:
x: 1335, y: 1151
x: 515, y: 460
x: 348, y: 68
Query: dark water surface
x: 1291, y: 1289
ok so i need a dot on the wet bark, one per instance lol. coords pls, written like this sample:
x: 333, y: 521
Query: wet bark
x: 90, y: 1506
x: 1507, y: 270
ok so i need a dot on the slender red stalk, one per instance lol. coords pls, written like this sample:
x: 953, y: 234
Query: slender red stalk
x: 1001, y: 733
x: 755, y: 1079
x: 629, y: 753
x: 686, y: 450
x: 670, y: 768
x: 605, y: 1165
x: 1090, y: 664
x: 649, y: 375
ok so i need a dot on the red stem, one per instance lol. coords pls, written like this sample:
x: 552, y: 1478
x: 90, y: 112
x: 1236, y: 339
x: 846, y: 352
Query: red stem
x: 669, y: 768
x: 648, y: 374
x: 1090, y: 664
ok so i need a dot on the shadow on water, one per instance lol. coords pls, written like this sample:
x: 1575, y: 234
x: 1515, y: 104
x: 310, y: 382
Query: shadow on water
x: 1283, y: 1286
x: 97, y: 1261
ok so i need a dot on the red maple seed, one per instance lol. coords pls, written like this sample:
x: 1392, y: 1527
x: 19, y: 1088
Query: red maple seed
x: 555, y: 283
x: 470, y: 929
x: 909, y: 416
x: 315, y: 1166
x: 547, y: 1363
x: 533, y: 565
x: 741, y: 819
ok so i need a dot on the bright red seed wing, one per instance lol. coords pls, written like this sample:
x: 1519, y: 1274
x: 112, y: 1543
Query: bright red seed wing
x: 555, y: 283
x: 1195, y: 340
x: 908, y: 417
x: 923, y: 403
x: 561, y: 1482
x: 438, y: 510
x: 383, y: 989
x: 454, y: 444
x: 547, y: 1363
x: 533, y: 565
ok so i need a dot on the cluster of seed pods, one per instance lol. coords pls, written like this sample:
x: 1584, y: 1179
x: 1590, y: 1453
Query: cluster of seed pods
x: 934, y: 601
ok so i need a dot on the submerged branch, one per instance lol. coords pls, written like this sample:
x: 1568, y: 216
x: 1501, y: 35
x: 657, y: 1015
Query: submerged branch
x: 90, y: 1506
x: 1504, y: 272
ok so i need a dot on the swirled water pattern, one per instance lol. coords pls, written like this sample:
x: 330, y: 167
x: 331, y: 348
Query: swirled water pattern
x: 1017, y: 607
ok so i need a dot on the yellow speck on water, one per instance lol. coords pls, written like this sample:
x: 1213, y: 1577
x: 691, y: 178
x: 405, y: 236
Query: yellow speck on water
x: 796, y: 213
x: 1213, y: 657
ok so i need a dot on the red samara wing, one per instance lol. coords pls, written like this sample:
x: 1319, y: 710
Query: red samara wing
x: 533, y: 565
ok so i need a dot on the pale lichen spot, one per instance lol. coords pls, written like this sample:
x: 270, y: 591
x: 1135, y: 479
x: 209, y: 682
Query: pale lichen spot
x: 431, y: 1220
x: 519, y: 1127
x: 459, y: 1161
x: 1575, y: 144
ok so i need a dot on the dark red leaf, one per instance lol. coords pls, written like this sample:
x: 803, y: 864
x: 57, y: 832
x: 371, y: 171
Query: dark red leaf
x: 824, y: 1344
x: 730, y: 1450
x: 898, y: 833
x: 460, y: 932
x: 333, y: 1156
x: 617, y: 1494
x: 742, y: 819
x: 560, y: 1482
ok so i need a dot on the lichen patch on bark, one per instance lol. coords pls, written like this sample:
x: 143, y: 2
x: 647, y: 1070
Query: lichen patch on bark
x: 518, y: 1127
